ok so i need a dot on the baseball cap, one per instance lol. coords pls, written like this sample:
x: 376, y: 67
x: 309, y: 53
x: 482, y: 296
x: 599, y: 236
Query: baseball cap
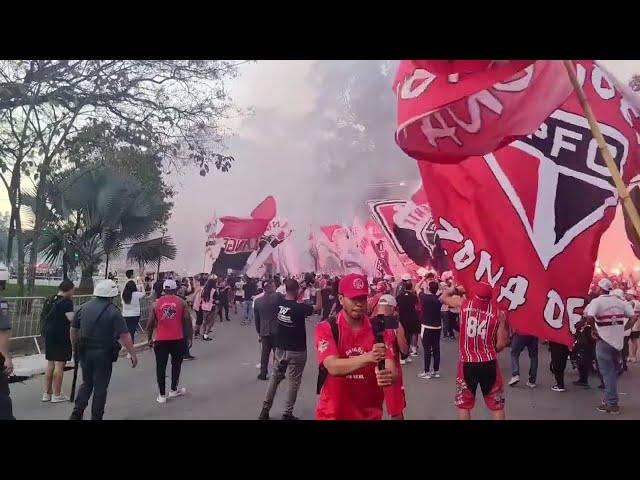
x: 605, y: 284
x: 170, y: 285
x: 381, y: 287
x: 405, y: 277
x: 354, y: 285
x: 483, y: 291
x: 388, y: 300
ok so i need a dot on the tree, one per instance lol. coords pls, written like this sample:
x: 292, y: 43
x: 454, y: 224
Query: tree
x: 45, y: 103
x: 152, y: 252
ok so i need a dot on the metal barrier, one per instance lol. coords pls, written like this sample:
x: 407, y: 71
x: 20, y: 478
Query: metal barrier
x: 25, y: 314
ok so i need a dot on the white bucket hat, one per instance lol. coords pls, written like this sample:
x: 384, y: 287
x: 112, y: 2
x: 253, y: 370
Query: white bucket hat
x: 105, y: 289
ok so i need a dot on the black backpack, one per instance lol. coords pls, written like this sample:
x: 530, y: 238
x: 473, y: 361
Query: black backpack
x: 322, y: 371
x: 47, y: 310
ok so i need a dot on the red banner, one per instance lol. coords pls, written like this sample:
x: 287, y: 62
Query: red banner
x: 528, y: 217
x: 445, y: 118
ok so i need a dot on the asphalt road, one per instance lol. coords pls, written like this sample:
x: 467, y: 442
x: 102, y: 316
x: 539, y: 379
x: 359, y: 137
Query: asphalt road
x: 222, y: 385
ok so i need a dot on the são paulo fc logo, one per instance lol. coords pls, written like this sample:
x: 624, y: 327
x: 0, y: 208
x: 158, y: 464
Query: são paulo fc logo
x: 169, y: 311
x: 358, y: 284
x: 563, y: 187
x: 323, y: 345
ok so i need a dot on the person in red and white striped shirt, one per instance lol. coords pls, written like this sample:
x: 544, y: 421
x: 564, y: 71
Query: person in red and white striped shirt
x: 483, y: 333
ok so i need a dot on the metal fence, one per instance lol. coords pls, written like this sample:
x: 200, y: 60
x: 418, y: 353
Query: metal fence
x: 25, y: 314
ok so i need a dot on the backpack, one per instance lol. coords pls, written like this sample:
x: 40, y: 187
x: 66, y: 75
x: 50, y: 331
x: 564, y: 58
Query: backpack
x: 47, y: 310
x: 322, y: 371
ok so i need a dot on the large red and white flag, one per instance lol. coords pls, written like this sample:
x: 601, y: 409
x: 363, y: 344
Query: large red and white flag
x: 450, y: 110
x: 528, y: 217
x: 239, y: 237
x: 277, y: 232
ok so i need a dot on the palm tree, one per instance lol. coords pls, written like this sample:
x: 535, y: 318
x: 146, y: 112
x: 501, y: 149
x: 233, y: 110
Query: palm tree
x: 152, y: 252
x: 93, y: 213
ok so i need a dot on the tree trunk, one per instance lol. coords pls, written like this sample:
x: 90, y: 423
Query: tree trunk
x: 11, y: 233
x: 14, y: 189
x: 86, y: 282
x: 37, y: 228
x: 20, y: 238
x: 65, y: 267
x: 106, y: 268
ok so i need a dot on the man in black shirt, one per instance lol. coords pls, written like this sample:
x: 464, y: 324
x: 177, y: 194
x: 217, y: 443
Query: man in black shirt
x: 408, y: 315
x: 291, y: 348
x: 431, y: 328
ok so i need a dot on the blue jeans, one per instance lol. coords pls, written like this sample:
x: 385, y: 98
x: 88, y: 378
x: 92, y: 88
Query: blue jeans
x: 608, y: 363
x: 247, y: 308
x: 518, y: 344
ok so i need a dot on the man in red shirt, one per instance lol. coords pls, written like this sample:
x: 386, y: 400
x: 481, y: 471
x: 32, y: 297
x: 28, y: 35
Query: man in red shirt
x: 353, y: 388
x: 483, y: 333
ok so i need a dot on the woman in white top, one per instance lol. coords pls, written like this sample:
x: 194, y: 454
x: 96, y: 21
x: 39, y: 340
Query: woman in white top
x: 131, y: 306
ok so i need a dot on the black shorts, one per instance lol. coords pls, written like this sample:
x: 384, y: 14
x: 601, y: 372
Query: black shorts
x: 57, y: 350
x: 239, y: 298
x: 635, y: 334
x: 199, y: 317
x: 480, y: 373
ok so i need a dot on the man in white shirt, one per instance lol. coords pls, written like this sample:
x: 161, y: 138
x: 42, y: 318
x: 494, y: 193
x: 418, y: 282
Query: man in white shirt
x: 610, y: 316
x: 632, y: 297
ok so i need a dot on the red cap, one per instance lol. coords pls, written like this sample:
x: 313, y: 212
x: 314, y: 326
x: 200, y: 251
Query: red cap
x: 483, y: 291
x: 382, y: 287
x: 354, y: 285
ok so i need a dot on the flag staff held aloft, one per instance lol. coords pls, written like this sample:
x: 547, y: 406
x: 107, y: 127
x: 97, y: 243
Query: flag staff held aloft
x: 627, y: 203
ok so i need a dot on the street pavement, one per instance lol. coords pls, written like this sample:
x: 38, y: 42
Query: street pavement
x: 222, y: 385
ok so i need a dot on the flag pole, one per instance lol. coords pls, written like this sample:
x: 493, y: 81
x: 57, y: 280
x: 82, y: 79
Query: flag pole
x: 627, y: 203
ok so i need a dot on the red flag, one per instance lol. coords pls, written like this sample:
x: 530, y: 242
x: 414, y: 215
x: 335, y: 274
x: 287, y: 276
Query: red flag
x: 528, y: 217
x: 445, y: 117
x: 265, y: 209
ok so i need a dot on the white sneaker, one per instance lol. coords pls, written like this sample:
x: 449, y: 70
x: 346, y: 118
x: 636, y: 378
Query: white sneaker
x: 59, y: 398
x: 161, y: 399
x: 414, y: 353
x: 435, y: 375
x: 258, y: 365
x: 515, y: 379
x: 531, y: 384
x: 46, y: 397
x: 424, y: 375
x: 403, y: 362
x: 408, y: 360
x: 128, y: 356
x: 176, y: 393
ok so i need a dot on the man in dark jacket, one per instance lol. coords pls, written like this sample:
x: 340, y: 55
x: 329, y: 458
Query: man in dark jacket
x: 266, y: 319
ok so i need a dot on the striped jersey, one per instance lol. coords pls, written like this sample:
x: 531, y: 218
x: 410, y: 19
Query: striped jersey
x: 478, y: 328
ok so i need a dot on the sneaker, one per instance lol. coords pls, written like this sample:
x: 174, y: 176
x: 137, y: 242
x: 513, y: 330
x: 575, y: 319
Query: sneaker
x: 435, y: 375
x: 46, y: 397
x: 289, y: 417
x: 178, y: 392
x: 515, y: 379
x: 531, y: 384
x: 128, y: 356
x: 408, y: 360
x: 556, y: 388
x: 613, y: 410
x: 206, y: 338
x: 262, y: 377
x: 75, y: 416
x: 264, y: 415
x: 189, y: 357
x: 414, y: 353
x: 403, y: 361
x: 578, y: 383
x: 424, y: 375
x: 601, y: 386
x: 631, y: 360
x: 258, y: 365
x: 59, y: 398
x: 196, y: 335
x: 161, y: 399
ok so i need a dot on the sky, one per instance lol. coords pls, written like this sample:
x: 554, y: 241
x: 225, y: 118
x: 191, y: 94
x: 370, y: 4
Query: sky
x: 279, y: 151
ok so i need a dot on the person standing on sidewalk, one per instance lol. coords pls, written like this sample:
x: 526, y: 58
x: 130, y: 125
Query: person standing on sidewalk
x: 169, y: 316
x: 266, y: 310
x: 94, y: 330
x: 57, y: 342
x: 131, y: 298
x: 518, y: 344
x: 208, y: 307
x: 249, y: 291
x: 607, y: 314
x: 407, y: 302
x: 290, y: 348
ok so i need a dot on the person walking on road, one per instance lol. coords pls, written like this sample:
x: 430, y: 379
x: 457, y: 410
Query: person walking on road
x: 290, y: 348
x: 266, y: 319
x: 208, y: 307
x: 131, y: 298
x: 57, y: 342
x: 170, y: 318
x: 431, y: 329
x: 518, y: 344
x: 94, y: 330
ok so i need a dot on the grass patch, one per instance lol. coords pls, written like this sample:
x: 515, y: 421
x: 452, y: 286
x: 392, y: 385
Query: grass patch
x: 39, y: 291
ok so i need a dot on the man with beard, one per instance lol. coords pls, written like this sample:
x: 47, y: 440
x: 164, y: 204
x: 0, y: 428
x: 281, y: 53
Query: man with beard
x: 351, y: 383
x: 408, y: 316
